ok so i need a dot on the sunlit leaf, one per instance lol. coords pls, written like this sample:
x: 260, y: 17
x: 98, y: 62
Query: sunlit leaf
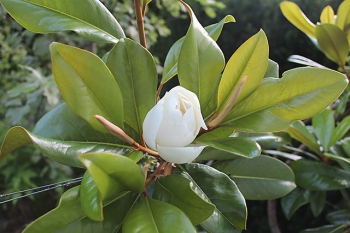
x: 135, y: 72
x: 333, y: 42
x: 260, y: 178
x: 113, y: 173
x: 201, y: 75
x: 343, y: 15
x: 151, y: 216
x: 87, y: 85
x: 249, y: 61
x: 170, y: 64
x: 180, y: 192
x: 327, y: 15
x: 294, y: 15
x: 91, y: 20
x: 300, y: 94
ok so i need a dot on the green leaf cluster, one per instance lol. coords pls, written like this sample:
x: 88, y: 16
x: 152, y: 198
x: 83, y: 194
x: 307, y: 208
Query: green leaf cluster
x: 123, y: 188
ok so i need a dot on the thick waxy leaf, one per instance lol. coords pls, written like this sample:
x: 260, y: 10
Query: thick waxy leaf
x: 294, y: 15
x: 333, y: 42
x: 60, y: 151
x: 180, y: 192
x: 69, y: 217
x: 338, y: 217
x: 319, y: 177
x: 90, y: 198
x: 339, y: 131
x: 345, y: 144
x: 244, y: 147
x: 298, y: 131
x: 325, y: 229
x: 151, y: 216
x: 317, y: 202
x: 231, y: 211
x: 323, y: 125
x: 170, y: 64
x: 113, y: 173
x: 343, y: 15
x: 294, y: 200
x: 135, y: 72
x: 91, y: 20
x: 327, y: 15
x: 62, y: 123
x: 266, y: 178
x: 249, y: 61
x: 201, y: 75
x: 272, y: 70
x: 300, y: 94
x: 87, y: 85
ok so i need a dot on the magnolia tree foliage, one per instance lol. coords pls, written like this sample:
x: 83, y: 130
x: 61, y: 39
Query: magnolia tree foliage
x: 172, y: 163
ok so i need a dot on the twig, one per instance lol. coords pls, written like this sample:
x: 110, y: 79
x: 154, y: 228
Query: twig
x: 140, y: 24
x: 272, y: 218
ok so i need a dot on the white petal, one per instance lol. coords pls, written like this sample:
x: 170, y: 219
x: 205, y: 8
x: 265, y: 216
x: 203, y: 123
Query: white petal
x: 180, y: 155
x: 151, y: 124
x: 192, y: 97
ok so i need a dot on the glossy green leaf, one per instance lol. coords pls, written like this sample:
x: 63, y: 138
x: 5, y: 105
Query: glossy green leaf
x: 151, y: 216
x: 317, y: 202
x: 300, y: 94
x: 272, y: 70
x: 294, y: 200
x: 338, y: 217
x: 336, y: 157
x: 298, y: 131
x: 343, y: 15
x: 200, y: 61
x: 91, y: 20
x: 268, y: 141
x: 325, y: 229
x: 327, y: 15
x: 135, y: 72
x: 261, y: 178
x: 63, y: 124
x: 60, y: 151
x: 323, y: 125
x: 333, y: 42
x: 345, y: 144
x: 339, y: 131
x: 180, y: 192
x: 69, y: 217
x: 249, y: 61
x: 113, y: 173
x: 244, y: 147
x: 90, y: 198
x: 294, y: 15
x: 231, y: 210
x: 170, y: 64
x: 319, y: 177
x: 87, y: 85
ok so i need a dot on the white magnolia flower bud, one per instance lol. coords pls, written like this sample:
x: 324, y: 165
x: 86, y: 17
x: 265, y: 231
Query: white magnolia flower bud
x: 171, y: 125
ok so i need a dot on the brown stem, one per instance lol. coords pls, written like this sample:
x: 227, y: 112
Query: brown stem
x: 118, y: 132
x: 272, y: 217
x: 158, y: 91
x: 140, y: 23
